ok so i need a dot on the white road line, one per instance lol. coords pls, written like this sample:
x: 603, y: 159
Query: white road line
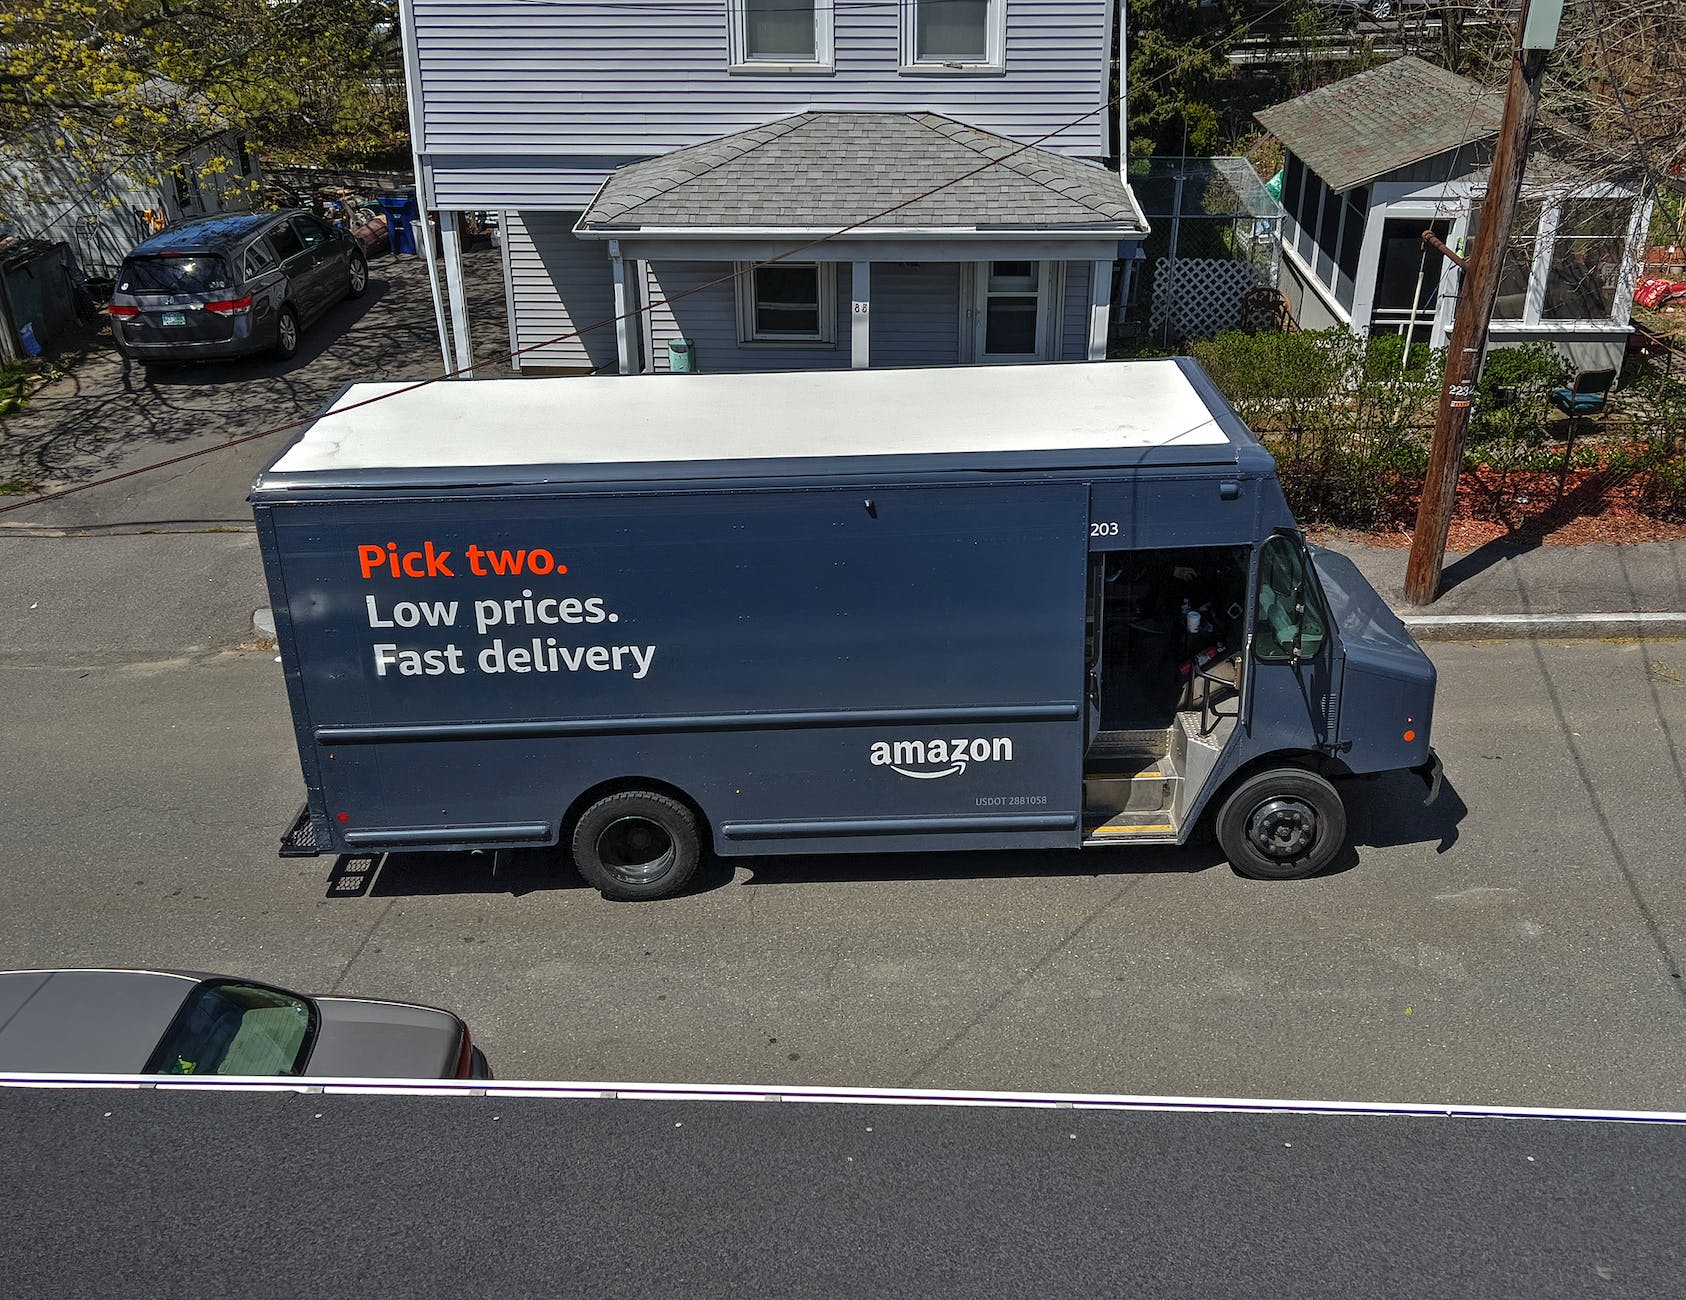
x: 577, y: 1091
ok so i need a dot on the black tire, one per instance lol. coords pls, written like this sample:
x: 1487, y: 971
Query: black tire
x: 636, y: 845
x: 1284, y: 824
x: 286, y: 333
x: 358, y: 279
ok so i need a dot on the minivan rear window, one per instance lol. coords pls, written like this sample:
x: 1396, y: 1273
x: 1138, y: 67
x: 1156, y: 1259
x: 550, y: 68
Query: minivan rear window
x: 188, y: 273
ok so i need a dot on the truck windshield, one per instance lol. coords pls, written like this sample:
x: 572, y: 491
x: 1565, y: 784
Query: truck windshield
x: 189, y: 273
x: 1289, y: 622
x: 226, y: 1028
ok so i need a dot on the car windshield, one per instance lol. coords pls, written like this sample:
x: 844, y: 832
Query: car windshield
x: 226, y: 1028
x: 188, y: 273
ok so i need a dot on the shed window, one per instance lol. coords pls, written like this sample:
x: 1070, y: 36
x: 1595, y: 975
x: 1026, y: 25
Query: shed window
x: 1577, y: 274
x: 787, y: 302
x: 1586, y: 259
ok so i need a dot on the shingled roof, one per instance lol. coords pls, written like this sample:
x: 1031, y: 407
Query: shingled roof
x: 820, y: 172
x: 1352, y: 131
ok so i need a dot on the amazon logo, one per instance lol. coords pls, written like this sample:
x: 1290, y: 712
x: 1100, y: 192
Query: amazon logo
x: 927, y: 760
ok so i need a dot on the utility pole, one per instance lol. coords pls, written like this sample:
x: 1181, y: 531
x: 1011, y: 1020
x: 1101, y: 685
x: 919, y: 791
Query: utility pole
x: 1537, y: 25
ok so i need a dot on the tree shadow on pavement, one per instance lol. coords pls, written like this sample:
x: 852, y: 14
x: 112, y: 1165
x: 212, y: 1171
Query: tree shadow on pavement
x: 108, y: 412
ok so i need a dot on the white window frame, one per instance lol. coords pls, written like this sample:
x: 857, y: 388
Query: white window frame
x: 1545, y: 244
x: 744, y: 284
x: 737, y: 41
x: 995, y: 52
x: 1050, y: 283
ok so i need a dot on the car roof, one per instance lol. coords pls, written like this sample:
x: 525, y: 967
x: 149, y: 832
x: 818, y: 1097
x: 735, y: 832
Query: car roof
x: 86, y: 1021
x: 208, y: 234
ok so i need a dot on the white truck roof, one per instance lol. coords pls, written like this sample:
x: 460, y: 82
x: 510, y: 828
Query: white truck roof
x: 712, y: 417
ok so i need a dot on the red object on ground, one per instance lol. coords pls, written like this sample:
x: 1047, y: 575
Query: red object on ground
x: 1653, y: 291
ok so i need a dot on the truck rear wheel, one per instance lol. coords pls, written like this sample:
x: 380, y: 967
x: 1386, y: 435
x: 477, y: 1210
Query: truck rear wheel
x: 1284, y: 824
x: 636, y: 845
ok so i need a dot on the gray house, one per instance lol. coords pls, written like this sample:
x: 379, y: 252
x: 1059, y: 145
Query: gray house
x: 779, y: 184
x: 1376, y: 159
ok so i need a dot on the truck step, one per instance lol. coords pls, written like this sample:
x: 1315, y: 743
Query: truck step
x: 1152, y: 790
x: 1131, y: 828
x: 1152, y: 740
x: 299, y: 840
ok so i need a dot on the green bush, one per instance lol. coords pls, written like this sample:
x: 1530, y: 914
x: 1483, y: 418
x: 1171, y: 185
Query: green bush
x: 1345, y: 417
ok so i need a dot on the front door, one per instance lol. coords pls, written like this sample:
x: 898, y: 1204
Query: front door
x: 1014, y: 311
x: 1294, y: 698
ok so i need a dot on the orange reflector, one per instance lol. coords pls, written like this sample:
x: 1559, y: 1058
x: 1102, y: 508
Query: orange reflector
x: 1410, y: 735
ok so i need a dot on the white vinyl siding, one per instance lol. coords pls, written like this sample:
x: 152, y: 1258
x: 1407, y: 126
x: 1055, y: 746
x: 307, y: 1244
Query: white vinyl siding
x: 1074, y: 327
x: 502, y: 78
x: 707, y: 314
x: 916, y: 313
x: 557, y: 284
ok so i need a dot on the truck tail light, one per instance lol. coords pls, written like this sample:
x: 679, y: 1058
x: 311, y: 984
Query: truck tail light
x: 230, y: 306
x: 119, y: 309
x: 465, y: 1057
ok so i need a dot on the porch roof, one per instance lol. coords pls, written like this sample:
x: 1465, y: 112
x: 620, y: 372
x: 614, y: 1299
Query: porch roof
x: 817, y: 173
x: 1355, y: 130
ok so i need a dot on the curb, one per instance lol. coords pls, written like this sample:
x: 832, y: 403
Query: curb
x: 1480, y: 627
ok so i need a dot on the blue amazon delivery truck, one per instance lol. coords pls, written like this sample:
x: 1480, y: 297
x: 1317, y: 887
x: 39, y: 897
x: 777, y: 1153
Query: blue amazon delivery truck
x: 1034, y: 607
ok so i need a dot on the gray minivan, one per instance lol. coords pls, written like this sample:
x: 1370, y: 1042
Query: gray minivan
x: 232, y: 285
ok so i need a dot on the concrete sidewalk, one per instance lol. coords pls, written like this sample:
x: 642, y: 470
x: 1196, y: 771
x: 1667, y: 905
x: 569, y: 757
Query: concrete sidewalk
x: 1513, y: 587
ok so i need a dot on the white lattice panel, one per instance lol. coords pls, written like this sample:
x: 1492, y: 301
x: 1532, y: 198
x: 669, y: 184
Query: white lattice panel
x: 1206, y: 295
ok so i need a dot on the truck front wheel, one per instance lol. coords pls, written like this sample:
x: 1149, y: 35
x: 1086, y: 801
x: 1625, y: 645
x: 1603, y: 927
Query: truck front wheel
x: 636, y: 845
x: 1284, y: 824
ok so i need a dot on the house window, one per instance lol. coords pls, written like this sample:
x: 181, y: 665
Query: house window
x: 959, y: 35
x: 1015, y: 310
x: 787, y: 302
x: 775, y: 35
x: 1586, y: 259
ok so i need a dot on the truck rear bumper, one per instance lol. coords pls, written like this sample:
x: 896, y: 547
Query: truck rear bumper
x: 300, y: 840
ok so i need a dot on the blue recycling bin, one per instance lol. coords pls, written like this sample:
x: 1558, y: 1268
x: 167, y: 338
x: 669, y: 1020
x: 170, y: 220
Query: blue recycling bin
x: 402, y: 213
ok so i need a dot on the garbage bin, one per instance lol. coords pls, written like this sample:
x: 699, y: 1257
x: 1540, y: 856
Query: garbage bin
x: 681, y: 356
x: 402, y: 213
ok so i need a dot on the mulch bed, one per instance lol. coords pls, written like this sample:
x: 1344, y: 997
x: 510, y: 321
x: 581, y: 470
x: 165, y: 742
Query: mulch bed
x: 1594, y: 506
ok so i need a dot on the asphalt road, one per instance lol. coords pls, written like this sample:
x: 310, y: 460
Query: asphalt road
x: 1518, y: 944
x: 251, y: 1196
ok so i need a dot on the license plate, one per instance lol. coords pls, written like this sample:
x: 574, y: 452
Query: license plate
x: 175, y: 318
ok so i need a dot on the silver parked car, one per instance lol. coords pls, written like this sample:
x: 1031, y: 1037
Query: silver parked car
x: 231, y: 285
x: 179, y: 1023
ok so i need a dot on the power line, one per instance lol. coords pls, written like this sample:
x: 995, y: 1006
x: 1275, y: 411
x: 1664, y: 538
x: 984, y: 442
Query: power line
x: 610, y: 321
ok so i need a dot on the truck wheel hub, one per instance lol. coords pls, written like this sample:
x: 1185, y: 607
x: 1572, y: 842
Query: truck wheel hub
x: 635, y: 848
x: 1282, y: 828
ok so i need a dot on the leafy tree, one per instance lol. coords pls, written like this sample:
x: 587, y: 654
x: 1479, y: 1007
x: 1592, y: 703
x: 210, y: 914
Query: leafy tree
x: 1179, y: 74
x: 309, y: 81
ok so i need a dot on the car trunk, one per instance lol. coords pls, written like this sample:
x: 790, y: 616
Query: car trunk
x: 177, y: 297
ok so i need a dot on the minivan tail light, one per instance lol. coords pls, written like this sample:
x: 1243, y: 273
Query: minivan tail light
x: 231, y: 306
x: 120, y: 309
x: 465, y: 1057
